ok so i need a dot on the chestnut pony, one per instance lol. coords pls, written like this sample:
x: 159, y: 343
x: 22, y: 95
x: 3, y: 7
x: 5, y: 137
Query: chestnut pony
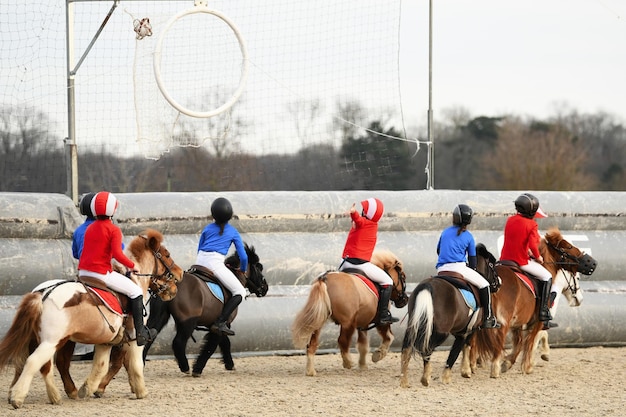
x: 441, y: 306
x: 60, y: 313
x: 352, y: 304
x: 515, y: 306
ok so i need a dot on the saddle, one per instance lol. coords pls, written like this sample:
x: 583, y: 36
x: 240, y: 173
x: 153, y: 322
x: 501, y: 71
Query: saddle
x: 457, y: 280
x: 205, y: 274
x: 529, y: 280
x: 114, y: 301
x: 373, y: 286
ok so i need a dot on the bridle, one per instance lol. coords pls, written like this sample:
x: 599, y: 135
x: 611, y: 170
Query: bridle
x: 257, y: 289
x: 584, y: 263
x: 571, y: 264
x: 160, y: 283
x: 402, y: 299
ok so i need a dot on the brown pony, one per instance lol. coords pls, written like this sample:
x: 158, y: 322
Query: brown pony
x: 515, y: 306
x: 61, y: 312
x: 349, y: 302
x: 438, y: 309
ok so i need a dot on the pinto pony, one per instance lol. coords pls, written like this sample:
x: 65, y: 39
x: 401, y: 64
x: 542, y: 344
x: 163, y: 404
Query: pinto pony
x: 515, y: 306
x: 67, y: 312
x: 352, y: 304
x: 441, y: 306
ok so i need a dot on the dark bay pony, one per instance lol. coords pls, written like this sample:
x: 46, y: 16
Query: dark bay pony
x: 441, y: 306
x: 59, y: 313
x: 196, y: 307
x: 352, y: 304
x: 515, y: 306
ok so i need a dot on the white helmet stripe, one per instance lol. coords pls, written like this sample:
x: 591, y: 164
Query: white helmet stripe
x: 371, y: 208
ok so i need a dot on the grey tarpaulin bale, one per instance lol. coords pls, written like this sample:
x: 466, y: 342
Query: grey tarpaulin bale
x: 301, y: 234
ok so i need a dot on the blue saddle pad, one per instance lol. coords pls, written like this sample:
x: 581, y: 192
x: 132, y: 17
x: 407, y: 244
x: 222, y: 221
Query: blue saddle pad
x: 216, y: 290
x: 470, y: 300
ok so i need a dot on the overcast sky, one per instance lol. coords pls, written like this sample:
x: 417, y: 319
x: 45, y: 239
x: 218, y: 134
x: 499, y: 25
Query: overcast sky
x: 520, y: 57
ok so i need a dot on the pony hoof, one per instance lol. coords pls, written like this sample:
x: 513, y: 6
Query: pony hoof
x: 196, y: 374
x: 377, y: 356
x: 82, y: 392
x: 16, y: 404
x: 98, y: 394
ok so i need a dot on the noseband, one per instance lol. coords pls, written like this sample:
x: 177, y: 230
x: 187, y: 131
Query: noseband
x: 156, y: 278
x: 584, y: 264
x: 403, y: 299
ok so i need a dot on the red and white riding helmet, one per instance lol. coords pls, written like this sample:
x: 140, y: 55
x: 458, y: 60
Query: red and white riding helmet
x: 104, y: 204
x: 373, y: 209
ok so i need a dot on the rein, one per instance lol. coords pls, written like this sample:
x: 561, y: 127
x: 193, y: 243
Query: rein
x: 168, y: 276
x: 584, y: 264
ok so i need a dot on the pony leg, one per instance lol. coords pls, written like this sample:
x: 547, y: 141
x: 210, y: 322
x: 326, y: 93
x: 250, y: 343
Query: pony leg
x: 466, y: 368
x: 179, y: 344
x: 387, y: 338
x: 99, y: 367
x: 311, y: 348
x: 63, y: 361
x: 528, y: 348
x: 211, y: 341
x: 428, y: 372
x: 363, y: 347
x: 118, y: 357
x: 227, y: 356
x: 543, y: 345
x: 134, y: 368
x: 458, y: 344
x: 345, y: 337
x: 43, y: 354
x: 407, y: 352
x: 516, y: 348
x: 51, y: 389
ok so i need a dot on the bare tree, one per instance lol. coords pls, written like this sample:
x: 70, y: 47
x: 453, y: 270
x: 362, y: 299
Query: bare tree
x: 535, y: 157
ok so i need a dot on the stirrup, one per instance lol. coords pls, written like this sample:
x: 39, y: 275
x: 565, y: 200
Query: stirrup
x: 490, y: 323
x: 387, y: 319
x: 221, y: 328
x: 148, y: 335
x: 547, y: 325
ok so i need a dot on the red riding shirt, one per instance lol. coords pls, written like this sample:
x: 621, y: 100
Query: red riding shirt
x: 361, y: 238
x: 103, y: 241
x: 520, y: 235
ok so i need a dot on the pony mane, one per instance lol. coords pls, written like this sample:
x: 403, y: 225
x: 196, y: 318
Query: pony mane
x: 137, y: 246
x: 253, y: 258
x: 481, y: 250
x: 553, y: 236
x: 386, y: 258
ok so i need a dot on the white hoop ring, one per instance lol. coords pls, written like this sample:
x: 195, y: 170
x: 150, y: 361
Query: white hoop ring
x: 157, y: 64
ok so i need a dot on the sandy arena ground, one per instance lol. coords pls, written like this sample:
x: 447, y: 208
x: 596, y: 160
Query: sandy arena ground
x: 575, y: 382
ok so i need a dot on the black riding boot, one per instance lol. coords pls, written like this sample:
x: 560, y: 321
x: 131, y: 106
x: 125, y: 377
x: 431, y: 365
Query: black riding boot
x: 144, y: 335
x: 489, y: 320
x: 544, y: 294
x: 221, y: 324
x: 384, y: 316
x: 547, y: 325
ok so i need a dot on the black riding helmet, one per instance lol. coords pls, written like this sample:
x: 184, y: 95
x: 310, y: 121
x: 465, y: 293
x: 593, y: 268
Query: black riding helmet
x: 462, y: 215
x: 527, y: 205
x: 85, y: 205
x: 221, y: 210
